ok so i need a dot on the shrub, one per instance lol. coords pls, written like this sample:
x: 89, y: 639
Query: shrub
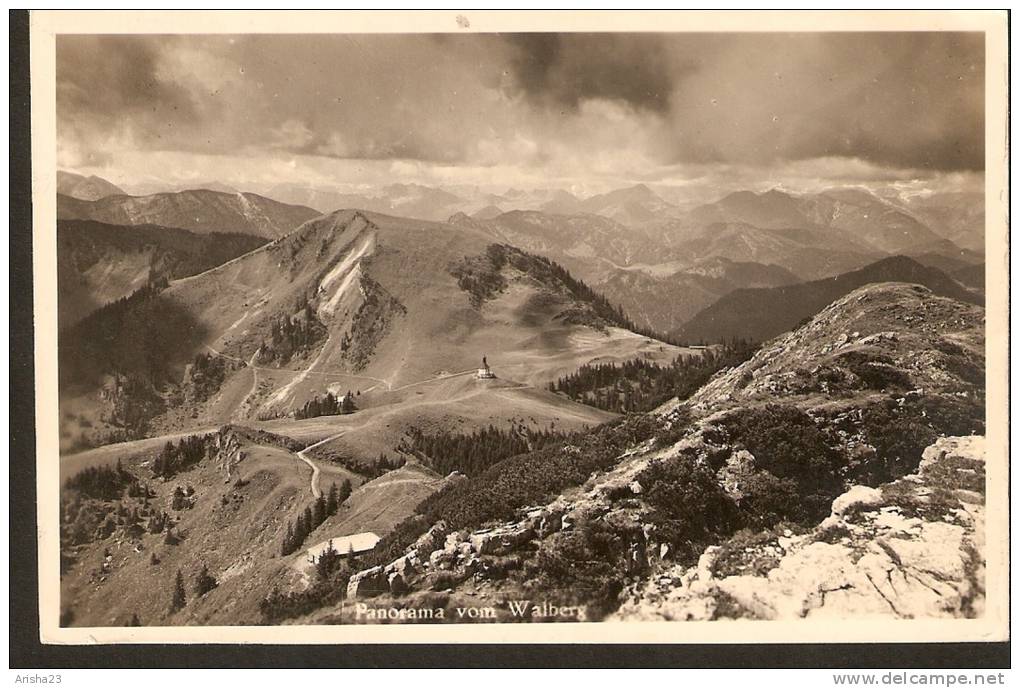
x: 733, y: 559
x: 951, y: 415
x: 876, y: 371
x: 899, y: 437
x: 803, y: 471
x: 690, y: 508
x: 585, y: 565
x: 679, y: 424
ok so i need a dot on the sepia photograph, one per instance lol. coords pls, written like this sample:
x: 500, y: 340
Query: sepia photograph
x: 573, y: 327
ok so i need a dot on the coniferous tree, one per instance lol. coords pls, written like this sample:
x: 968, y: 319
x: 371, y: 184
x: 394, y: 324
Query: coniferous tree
x: 204, y: 582
x: 319, y: 511
x: 327, y: 562
x: 179, y: 599
x: 332, y: 501
x: 309, y: 524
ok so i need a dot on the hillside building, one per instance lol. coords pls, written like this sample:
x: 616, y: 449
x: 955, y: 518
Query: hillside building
x: 358, y: 543
x: 485, y: 373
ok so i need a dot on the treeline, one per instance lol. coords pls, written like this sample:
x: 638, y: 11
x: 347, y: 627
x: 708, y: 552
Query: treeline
x: 371, y: 469
x: 207, y: 375
x: 481, y: 277
x: 472, y: 453
x: 139, y: 335
x: 313, y: 516
x: 100, y: 482
x: 177, y: 252
x: 99, y: 500
x: 639, y: 385
x: 137, y: 341
x: 175, y: 458
x: 329, y: 405
x: 291, y: 335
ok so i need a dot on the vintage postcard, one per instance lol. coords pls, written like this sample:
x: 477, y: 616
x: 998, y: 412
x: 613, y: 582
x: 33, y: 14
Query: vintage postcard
x: 526, y: 327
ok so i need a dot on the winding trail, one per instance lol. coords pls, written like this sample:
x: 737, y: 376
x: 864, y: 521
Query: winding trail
x: 311, y: 464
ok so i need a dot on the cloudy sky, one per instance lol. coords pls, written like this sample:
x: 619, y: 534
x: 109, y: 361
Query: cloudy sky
x: 583, y: 111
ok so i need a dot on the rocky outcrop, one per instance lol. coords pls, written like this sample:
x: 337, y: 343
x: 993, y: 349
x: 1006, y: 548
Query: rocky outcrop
x: 881, y: 336
x: 909, y: 549
x: 227, y: 448
x: 368, y: 583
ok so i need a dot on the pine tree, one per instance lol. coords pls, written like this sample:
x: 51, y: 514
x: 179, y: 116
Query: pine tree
x: 179, y: 598
x: 309, y: 523
x: 327, y: 562
x: 333, y: 500
x: 204, y: 582
x: 319, y: 511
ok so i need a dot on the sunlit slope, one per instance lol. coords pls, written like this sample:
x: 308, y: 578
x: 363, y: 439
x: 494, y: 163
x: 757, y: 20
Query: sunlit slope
x: 381, y: 309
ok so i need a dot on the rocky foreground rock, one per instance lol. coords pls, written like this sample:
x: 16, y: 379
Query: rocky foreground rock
x: 908, y: 549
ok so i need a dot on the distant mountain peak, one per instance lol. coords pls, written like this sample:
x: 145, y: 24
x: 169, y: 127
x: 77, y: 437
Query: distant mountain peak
x: 84, y: 188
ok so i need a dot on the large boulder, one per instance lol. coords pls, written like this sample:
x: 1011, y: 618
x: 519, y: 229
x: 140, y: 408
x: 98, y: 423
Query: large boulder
x: 368, y: 583
x: 857, y: 496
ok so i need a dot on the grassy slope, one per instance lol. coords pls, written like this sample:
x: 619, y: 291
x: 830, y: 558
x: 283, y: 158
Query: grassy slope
x: 238, y: 542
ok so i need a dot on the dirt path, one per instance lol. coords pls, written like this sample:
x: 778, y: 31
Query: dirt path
x: 431, y: 379
x: 315, y: 468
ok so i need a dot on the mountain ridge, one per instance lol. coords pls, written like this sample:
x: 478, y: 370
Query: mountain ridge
x: 199, y: 210
x: 760, y: 314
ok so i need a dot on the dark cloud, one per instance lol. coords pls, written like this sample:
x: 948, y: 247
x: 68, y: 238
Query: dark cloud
x: 115, y: 80
x: 565, y: 69
x: 921, y: 105
x: 911, y: 100
x: 532, y: 100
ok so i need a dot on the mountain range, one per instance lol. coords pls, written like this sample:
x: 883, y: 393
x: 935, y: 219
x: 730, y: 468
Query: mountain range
x: 200, y: 210
x: 349, y: 300
x: 660, y: 263
x: 759, y: 314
